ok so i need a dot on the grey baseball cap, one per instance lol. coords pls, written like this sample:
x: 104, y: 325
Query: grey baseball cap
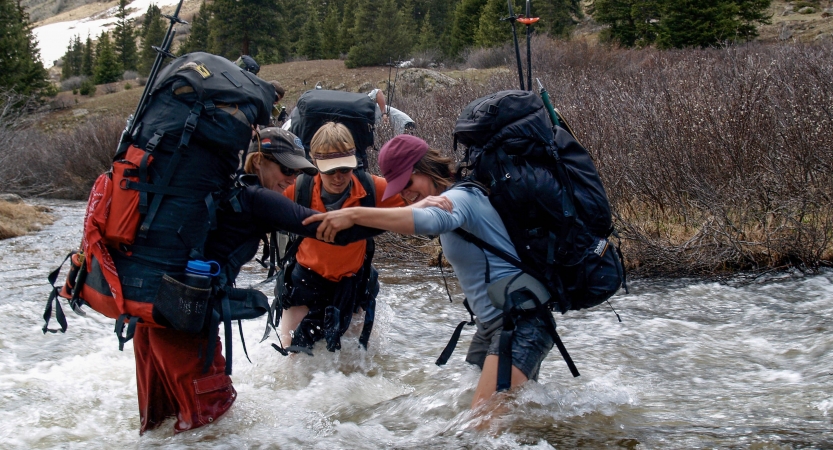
x: 285, y: 147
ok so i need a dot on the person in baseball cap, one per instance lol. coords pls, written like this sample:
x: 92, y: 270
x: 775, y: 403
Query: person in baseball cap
x: 276, y: 156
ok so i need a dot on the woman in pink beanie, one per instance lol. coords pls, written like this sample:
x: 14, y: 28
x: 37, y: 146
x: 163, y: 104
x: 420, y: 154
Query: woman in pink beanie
x: 418, y: 172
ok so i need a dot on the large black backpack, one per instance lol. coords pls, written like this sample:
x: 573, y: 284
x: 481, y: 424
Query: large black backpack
x: 355, y: 111
x: 547, y: 190
x: 199, y: 117
x: 177, y: 166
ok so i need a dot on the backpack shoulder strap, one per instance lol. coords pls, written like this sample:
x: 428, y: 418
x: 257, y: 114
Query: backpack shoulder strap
x: 369, y: 186
x: 303, y: 190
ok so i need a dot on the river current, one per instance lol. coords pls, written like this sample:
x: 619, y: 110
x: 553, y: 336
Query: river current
x: 743, y: 364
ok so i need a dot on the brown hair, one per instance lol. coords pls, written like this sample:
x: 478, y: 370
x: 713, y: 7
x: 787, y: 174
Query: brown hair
x: 279, y: 90
x: 331, y: 138
x: 438, y: 168
x: 249, y: 164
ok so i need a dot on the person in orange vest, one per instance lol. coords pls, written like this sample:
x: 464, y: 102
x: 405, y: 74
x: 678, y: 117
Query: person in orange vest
x: 328, y: 283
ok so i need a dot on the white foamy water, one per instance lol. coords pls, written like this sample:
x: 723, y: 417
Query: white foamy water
x: 54, y: 38
x: 693, y: 365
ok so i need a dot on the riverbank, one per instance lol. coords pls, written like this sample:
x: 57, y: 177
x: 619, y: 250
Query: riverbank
x: 18, y: 218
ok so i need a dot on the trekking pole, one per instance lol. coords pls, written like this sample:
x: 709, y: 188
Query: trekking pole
x: 528, y: 21
x: 390, y: 69
x: 512, y: 18
x: 557, y: 119
x: 545, y: 96
x: 393, y: 91
x: 161, y: 53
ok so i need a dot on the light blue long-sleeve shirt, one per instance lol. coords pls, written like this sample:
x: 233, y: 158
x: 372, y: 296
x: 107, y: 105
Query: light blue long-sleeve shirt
x: 473, y: 213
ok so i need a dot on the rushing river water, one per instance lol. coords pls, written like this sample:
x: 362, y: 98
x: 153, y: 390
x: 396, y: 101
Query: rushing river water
x: 692, y: 365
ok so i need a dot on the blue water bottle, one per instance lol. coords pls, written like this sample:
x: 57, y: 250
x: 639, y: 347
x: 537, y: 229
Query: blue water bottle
x: 198, y: 274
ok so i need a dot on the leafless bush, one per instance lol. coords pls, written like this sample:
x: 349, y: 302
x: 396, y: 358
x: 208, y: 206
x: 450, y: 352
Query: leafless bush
x: 714, y: 160
x: 130, y: 75
x: 111, y: 88
x: 426, y: 59
x: 487, y: 58
x: 63, y: 164
x: 72, y: 83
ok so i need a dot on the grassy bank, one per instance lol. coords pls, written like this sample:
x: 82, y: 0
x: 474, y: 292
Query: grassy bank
x: 17, y: 219
x: 715, y: 160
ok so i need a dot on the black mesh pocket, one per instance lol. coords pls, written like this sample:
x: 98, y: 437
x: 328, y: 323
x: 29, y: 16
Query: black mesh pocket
x: 183, y: 306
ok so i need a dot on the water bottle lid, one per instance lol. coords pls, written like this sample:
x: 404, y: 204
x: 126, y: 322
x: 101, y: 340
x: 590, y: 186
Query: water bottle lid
x: 203, y: 267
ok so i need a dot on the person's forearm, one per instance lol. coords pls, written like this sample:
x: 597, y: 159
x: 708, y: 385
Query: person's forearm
x: 398, y: 220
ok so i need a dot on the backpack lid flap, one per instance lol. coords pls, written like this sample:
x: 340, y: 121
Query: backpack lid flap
x: 484, y: 117
x: 317, y: 103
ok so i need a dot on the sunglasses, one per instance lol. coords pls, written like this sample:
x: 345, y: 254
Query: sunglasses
x: 342, y: 170
x: 284, y: 170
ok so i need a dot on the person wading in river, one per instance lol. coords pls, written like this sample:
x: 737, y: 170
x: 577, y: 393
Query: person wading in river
x: 170, y: 373
x: 329, y: 283
x: 418, y: 173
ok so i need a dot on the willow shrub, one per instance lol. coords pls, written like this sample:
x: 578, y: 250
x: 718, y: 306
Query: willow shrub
x: 714, y: 160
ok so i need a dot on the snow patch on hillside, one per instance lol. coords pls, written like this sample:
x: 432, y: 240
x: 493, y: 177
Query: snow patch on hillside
x: 54, y: 38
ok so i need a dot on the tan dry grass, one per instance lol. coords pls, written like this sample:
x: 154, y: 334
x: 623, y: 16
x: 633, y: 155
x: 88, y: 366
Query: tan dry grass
x: 17, y: 219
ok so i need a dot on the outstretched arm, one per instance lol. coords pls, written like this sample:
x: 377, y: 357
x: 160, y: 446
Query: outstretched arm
x: 399, y: 220
x: 280, y: 213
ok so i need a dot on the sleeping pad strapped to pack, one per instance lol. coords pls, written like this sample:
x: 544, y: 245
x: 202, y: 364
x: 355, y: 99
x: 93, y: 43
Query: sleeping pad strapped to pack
x: 318, y: 106
x: 150, y: 214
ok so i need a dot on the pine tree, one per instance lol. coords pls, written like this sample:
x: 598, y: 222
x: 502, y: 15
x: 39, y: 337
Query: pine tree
x: 124, y: 38
x: 705, y: 23
x: 680, y: 23
x: 245, y: 28
x: 88, y: 61
x: 465, y: 24
x: 20, y: 65
x: 77, y: 55
x: 311, y: 41
x: 427, y: 37
x: 382, y: 32
x: 558, y: 17
x: 329, y: 35
x: 107, y: 66
x: 198, y: 39
x: 492, y: 31
x: 347, y: 27
x: 153, y: 33
x: 66, y: 68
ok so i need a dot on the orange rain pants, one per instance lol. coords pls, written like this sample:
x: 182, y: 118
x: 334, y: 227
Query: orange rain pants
x: 170, y: 379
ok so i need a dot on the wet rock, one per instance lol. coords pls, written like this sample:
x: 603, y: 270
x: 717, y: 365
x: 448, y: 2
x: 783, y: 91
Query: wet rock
x: 10, y: 198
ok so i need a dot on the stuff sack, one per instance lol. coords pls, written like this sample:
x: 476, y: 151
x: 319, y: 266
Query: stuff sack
x: 151, y: 213
x: 318, y: 106
x: 547, y: 190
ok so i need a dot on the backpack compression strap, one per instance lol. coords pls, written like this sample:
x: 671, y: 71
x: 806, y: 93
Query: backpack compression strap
x: 545, y: 314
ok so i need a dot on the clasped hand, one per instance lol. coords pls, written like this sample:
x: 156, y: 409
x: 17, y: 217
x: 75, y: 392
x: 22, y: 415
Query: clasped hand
x: 334, y: 221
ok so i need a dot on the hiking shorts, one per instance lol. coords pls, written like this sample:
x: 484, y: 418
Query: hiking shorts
x: 530, y: 344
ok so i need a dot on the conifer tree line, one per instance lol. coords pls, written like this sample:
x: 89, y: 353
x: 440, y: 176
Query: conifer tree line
x: 20, y: 67
x: 680, y: 23
x: 371, y: 32
x: 365, y: 32
x: 106, y: 59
